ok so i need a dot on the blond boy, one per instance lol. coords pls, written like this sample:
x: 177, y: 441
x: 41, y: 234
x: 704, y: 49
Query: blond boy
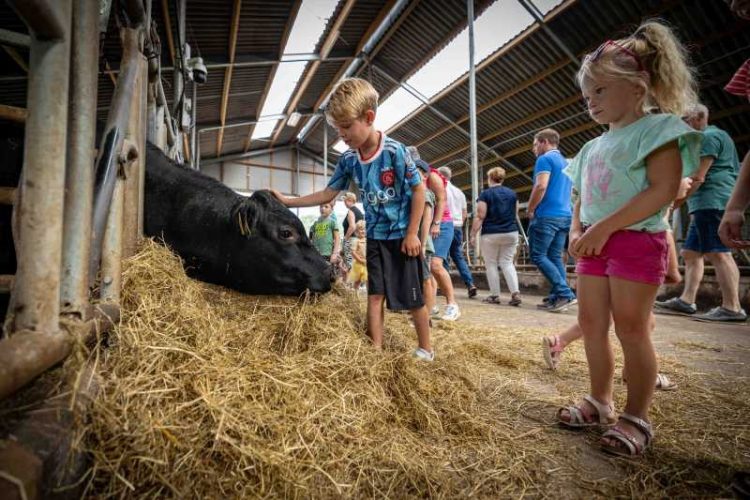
x: 393, y: 195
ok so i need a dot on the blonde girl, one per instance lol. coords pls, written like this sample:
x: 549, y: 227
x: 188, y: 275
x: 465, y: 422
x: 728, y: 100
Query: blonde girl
x: 639, y: 86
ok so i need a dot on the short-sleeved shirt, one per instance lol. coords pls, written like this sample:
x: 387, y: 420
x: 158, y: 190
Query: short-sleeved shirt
x: 714, y: 193
x: 321, y: 234
x: 456, y: 203
x: 611, y: 169
x: 385, y: 182
x: 556, y: 200
x: 501, y: 210
x: 429, y: 199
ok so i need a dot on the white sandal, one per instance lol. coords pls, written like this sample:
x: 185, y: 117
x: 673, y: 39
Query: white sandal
x: 580, y: 417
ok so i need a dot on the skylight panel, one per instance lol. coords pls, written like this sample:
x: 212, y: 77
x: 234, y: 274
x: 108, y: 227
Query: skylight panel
x: 497, y: 25
x: 308, y: 27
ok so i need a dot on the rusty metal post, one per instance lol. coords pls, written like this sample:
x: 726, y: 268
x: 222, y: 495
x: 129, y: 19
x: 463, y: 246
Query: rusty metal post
x: 112, y: 247
x: 109, y: 150
x: 36, y: 295
x: 79, y: 179
x: 134, y: 172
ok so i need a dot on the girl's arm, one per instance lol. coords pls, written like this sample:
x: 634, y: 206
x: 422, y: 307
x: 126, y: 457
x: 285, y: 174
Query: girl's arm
x: 350, y: 229
x: 435, y: 183
x: 663, y: 171
x: 358, y: 256
x: 479, y: 217
x: 576, y: 229
x: 424, y: 229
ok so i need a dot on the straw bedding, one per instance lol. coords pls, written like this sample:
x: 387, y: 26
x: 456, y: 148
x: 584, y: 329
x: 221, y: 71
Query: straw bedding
x: 207, y: 393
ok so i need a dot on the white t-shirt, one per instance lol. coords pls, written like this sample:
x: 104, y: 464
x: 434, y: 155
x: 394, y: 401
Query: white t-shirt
x: 457, y: 204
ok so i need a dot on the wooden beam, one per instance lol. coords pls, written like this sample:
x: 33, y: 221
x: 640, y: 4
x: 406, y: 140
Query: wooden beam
x: 539, y: 114
x: 228, y: 74
x: 168, y: 28
x: 13, y: 113
x: 14, y: 54
x: 282, y: 45
x: 497, y: 100
x: 360, y: 46
x: 330, y: 40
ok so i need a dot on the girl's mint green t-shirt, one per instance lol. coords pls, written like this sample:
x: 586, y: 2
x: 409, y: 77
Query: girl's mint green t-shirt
x: 611, y: 169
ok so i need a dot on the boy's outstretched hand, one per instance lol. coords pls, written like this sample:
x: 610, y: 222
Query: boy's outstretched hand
x: 283, y: 199
x: 730, y: 230
x: 411, y: 246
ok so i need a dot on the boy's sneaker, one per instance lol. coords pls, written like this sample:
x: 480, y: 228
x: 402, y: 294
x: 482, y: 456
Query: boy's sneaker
x: 562, y: 304
x: 452, y: 313
x: 722, y: 314
x: 472, y: 291
x: 424, y: 355
x: 675, y: 305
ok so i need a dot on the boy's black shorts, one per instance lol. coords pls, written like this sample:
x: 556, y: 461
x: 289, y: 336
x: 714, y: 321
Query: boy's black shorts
x: 394, y: 274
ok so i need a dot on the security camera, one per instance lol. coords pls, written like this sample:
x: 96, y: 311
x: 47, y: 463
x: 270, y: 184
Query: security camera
x: 198, y: 70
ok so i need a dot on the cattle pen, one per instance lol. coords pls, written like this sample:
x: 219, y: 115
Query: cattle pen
x: 136, y: 365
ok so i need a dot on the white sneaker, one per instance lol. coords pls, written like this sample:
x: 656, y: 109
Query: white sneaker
x: 435, y: 313
x: 452, y: 313
x: 424, y: 355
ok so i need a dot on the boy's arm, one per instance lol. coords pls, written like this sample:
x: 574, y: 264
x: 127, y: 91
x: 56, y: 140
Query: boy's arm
x: 411, y: 245
x: 327, y: 195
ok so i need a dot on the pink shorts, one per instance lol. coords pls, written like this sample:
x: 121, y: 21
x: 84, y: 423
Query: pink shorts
x: 630, y: 255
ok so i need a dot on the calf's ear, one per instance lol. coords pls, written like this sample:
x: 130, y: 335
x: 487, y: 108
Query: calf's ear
x: 245, y: 217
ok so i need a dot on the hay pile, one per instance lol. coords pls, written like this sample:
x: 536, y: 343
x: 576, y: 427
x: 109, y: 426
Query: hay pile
x: 209, y: 393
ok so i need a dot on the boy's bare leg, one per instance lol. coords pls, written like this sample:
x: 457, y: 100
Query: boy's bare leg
x: 376, y: 319
x: 422, y: 324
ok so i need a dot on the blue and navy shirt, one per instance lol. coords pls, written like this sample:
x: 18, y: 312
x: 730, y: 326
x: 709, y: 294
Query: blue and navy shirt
x: 384, y: 181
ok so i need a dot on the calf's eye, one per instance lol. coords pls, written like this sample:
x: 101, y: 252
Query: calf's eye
x: 286, y: 234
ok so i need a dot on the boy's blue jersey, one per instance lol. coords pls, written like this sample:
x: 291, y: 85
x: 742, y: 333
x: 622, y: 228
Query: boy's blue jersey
x: 384, y: 181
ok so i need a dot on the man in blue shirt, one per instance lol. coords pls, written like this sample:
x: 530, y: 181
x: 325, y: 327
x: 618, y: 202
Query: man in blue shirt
x: 550, y: 215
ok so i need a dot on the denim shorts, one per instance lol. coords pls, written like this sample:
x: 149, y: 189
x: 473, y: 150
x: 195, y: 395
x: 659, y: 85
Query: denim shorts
x: 443, y: 242
x: 703, y: 233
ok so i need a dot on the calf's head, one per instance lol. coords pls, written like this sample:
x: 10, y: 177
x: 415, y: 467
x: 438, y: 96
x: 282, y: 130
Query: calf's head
x: 275, y: 254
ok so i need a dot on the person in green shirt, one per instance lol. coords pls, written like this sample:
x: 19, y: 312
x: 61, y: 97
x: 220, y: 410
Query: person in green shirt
x: 324, y: 234
x: 707, y: 199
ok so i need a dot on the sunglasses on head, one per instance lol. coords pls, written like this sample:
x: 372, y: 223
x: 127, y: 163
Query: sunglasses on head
x: 597, y: 54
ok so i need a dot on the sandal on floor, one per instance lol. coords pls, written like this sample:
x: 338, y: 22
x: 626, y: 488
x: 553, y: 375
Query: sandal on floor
x: 581, y: 416
x: 552, y: 350
x: 664, y: 384
x: 631, y: 446
x: 491, y: 299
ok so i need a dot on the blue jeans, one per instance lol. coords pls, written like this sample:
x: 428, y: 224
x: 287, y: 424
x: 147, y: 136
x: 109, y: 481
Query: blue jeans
x: 458, y: 257
x: 546, y: 243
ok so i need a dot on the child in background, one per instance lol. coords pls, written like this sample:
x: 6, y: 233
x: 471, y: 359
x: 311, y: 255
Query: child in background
x: 430, y: 286
x: 325, y: 235
x: 627, y: 177
x: 358, y: 274
x: 392, y: 193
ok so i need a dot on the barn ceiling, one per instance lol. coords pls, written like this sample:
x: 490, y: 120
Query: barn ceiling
x: 523, y: 86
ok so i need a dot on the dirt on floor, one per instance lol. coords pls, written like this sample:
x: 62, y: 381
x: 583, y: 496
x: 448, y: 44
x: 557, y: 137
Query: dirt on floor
x: 709, y: 362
